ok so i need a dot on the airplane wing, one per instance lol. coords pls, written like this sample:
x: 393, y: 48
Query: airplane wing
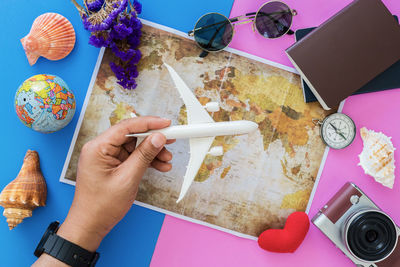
x: 195, y: 111
x: 199, y: 148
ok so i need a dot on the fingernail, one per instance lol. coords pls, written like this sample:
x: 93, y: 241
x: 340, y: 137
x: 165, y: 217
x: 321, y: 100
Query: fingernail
x: 157, y: 141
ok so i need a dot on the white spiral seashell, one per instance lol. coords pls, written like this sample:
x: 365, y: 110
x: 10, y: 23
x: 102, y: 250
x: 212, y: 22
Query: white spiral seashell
x: 377, y: 157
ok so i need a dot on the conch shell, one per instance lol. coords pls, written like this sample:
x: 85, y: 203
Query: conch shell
x: 52, y: 36
x: 25, y: 193
x: 377, y: 157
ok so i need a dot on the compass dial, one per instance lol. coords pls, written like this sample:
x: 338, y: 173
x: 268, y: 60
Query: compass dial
x: 338, y: 131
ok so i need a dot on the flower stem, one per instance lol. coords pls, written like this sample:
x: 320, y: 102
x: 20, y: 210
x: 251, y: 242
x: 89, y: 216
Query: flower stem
x: 80, y: 9
x: 84, y: 2
x: 131, y: 6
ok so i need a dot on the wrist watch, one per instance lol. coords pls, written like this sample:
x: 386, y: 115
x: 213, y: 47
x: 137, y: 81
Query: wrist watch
x: 63, y: 250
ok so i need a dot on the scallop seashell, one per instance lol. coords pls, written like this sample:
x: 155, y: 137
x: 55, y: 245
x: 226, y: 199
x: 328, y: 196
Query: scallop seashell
x: 25, y: 193
x: 52, y: 36
x: 377, y: 157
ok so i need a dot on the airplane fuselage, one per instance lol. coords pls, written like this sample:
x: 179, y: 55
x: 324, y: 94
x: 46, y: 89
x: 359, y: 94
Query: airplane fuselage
x: 204, y: 130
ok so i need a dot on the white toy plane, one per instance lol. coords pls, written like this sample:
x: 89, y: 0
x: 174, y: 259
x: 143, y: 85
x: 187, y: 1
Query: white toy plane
x: 201, y: 130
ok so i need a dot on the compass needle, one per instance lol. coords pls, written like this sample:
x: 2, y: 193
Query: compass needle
x: 342, y: 136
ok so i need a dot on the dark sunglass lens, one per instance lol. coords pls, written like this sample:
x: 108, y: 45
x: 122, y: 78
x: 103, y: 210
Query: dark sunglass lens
x: 213, y: 32
x: 273, y: 19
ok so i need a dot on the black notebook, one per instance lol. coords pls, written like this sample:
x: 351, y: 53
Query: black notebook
x: 389, y: 79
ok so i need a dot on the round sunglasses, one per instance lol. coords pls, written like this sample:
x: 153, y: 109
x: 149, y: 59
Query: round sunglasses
x: 213, y: 31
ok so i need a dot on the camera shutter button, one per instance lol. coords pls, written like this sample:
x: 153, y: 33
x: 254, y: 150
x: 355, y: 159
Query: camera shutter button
x: 354, y: 199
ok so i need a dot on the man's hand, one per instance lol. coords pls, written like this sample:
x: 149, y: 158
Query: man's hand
x: 110, y: 169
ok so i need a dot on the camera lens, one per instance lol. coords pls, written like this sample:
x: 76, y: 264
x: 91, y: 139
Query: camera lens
x: 371, y: 236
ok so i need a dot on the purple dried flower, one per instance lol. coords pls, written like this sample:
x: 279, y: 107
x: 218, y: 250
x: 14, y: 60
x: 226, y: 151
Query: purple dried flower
x: 120, y: 31
x: 136, y: 57
x: 123, y: 4
x: 125, y: 77
x: 86, y: 24
x: 135, y: 23
x: 103, y: 19
x: 126, y: 73
x: 137, y: 6
x: 133, y: 40
x: 94, y: 5
x: 118, y: 70
x: 132, y: 71
x: 128, y: 83
x: 130, y: 20
x: 112, y: 24
x: 124, y: 54
x: 99, y: 39
x: 137, y: 33
x: 104, y: 25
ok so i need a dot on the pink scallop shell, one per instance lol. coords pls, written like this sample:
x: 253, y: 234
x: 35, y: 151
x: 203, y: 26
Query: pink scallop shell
x: 52, y: 36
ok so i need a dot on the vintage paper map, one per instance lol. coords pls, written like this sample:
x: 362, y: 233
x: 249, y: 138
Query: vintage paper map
x: 261, y: 178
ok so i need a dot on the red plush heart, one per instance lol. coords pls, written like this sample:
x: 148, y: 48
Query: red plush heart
x: 289, y: 238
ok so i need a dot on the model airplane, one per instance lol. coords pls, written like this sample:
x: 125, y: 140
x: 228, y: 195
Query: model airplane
x: 201, y: 130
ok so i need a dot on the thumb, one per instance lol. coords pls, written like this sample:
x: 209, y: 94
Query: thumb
x: 141, y: 158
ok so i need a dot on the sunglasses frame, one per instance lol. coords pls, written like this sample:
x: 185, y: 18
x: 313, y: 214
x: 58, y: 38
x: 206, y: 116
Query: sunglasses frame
x: 243, y: 19
x: 293, y: 12
x: 191, y: 33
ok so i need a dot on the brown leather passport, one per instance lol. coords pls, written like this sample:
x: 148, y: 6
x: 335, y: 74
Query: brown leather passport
x: 347, y: 51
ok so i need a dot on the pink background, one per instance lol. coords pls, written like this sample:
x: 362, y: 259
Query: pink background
x: 182, y: 243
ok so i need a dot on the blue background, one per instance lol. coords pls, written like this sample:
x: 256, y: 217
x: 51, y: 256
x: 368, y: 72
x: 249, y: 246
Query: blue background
x: 132, y: 241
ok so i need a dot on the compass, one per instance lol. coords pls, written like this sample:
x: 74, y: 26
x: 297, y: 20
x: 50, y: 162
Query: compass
x: 338, y: 130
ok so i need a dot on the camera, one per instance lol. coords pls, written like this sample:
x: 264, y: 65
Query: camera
x: 359, y: 228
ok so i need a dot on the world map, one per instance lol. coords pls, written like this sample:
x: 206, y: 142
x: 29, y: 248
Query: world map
x: 261, y: 178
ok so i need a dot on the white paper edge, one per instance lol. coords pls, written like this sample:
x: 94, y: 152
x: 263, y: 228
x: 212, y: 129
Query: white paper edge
x: 321, y: 168
x: 81, y: 116
x: 83, y: 111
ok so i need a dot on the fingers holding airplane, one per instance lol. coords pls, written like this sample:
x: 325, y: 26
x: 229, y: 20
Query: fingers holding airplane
x: 171, y: 141
x: 164, y: 155
x: 130, y: 145
x: 161, y: 165
x: 116, y: 135
x: 127, y: 148
x: 123, y: 154
x: 161, y: 162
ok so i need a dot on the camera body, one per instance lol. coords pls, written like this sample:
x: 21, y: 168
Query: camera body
x: 361, y: 230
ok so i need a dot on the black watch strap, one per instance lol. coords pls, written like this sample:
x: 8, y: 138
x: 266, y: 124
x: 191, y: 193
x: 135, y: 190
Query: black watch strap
x: 68, y: 252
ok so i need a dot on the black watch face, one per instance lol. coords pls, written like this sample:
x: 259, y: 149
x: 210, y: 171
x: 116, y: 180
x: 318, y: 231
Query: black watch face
x: 50, y: 230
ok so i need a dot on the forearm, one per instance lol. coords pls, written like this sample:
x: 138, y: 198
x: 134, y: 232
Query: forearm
x: 48, y: 261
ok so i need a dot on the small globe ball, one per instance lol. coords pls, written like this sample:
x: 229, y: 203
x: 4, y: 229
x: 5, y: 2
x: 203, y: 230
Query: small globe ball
x: 44, y: 103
